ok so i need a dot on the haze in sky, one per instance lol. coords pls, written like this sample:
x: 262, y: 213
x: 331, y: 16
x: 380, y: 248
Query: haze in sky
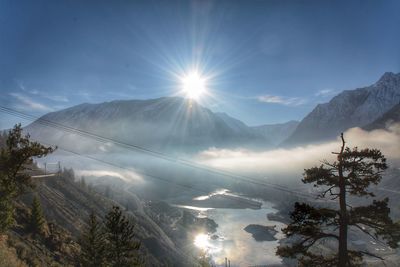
x: 265, y: 61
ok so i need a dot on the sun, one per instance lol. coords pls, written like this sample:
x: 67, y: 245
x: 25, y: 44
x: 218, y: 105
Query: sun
x: 193, y: 85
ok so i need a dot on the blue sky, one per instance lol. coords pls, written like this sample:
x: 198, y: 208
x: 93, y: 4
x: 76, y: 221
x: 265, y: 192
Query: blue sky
x: 268, y: 61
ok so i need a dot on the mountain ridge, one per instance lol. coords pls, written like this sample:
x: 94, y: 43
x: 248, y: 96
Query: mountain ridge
x: 350, y: 108
x: 277, y: 132
x: 163, y: 123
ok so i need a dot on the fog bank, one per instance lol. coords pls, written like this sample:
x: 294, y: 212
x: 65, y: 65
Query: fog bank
x: 292, y: 162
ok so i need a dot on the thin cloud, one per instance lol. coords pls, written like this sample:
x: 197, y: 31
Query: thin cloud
x: 325, y: 93
x: 57, y: 98
x: 29, y: 104
x: 22, y: 86
x: 34, y: 92
x: 287, y: 101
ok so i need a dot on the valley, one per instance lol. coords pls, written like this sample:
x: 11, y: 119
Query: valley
x: 199, y: 184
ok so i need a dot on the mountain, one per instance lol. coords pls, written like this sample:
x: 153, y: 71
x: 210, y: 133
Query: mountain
x: 351, y: 108
x: 391, y: 116
x: 235, y: 125
x: 277, y: 133
x: 168, y: 123
x: 274, y: 133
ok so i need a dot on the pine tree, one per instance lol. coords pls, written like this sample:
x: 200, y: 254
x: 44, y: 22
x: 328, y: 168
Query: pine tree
x: 6, y: 213
x: 37, y: 220
x: 121, y: 245
x: 15, y: 156
x: 351, y: 175
x: 92, y: 243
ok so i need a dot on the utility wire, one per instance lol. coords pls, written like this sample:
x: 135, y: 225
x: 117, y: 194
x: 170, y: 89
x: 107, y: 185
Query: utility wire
x: 154, y: 153
x: 154, y: 177
x: 239, y: 199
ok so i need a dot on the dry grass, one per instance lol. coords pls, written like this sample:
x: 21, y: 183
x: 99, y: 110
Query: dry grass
x: 8, y: 256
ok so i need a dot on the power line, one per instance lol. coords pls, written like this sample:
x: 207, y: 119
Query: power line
x: 239, y: 199
x: 154, y: 153
x: 158, y: 154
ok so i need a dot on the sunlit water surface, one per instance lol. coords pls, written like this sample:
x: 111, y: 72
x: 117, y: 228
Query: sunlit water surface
x: 232, y: 241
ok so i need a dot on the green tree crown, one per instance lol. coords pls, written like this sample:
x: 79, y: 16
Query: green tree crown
x: 121, y: 244
x: 37, y: 219
x: 16, y: 154
x: 350, y: 175
x: 93, y: 244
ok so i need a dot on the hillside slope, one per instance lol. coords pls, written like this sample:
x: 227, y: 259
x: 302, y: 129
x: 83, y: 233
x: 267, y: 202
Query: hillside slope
x: 391, y: 116
x: 67, y: 205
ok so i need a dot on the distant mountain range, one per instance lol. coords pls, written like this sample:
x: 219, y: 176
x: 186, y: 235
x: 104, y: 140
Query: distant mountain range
x: 277, y: 133
x: 274, y: 133
x: 177, y: 124
x: 351, y: 108
x: 168, y: 123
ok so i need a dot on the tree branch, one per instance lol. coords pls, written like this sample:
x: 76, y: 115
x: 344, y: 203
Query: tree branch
x: 323, y: 194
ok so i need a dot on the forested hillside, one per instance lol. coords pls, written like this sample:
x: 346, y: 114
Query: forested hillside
x: 66, y: 202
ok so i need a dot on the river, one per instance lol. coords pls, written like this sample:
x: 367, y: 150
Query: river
x: 231, y: 240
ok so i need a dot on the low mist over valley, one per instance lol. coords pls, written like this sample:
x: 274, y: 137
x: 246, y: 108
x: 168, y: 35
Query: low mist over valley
x: 176, y: 151
x: 200, y: 133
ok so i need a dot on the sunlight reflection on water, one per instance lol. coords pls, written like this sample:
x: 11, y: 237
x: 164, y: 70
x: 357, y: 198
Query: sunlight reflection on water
x: 202, y: 241
x: 217, y: 192
x: 232, y: 241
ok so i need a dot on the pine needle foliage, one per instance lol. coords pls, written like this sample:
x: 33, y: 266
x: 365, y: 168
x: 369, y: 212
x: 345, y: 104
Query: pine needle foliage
x: 350, y: 175
x: 37, y: 219
x: 93, y: 244
x: 15, y: 156
x: 122, y: 247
